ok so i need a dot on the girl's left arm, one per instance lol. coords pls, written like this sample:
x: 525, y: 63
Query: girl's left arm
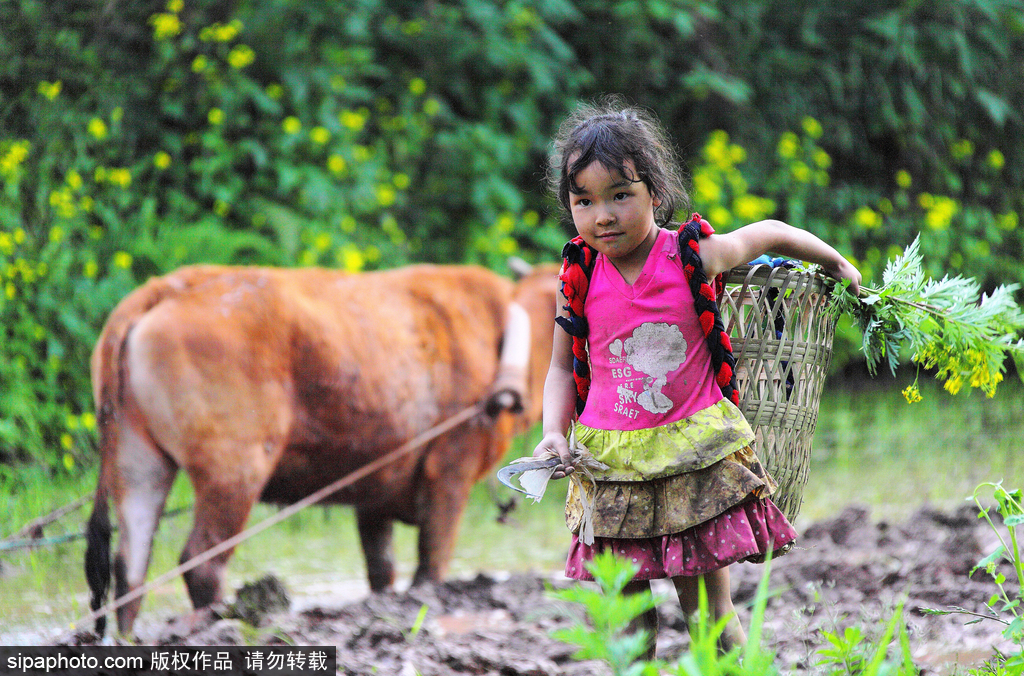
x: 720, y: 253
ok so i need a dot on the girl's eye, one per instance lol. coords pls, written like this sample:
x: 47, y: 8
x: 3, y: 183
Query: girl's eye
x: 621, y: 195
x: 583, y: 202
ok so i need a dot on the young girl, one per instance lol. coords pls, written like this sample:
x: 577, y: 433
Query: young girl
x: 640, y: 357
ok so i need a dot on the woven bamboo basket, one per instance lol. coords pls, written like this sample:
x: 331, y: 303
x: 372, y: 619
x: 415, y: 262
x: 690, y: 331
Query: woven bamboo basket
x: 781, y: 325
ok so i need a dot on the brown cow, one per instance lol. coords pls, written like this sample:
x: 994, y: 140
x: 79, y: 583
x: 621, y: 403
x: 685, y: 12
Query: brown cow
x: 269, y: 384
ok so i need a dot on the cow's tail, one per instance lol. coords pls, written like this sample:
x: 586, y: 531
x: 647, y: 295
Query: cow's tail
x: 97, y: 553
x: 108, y: 376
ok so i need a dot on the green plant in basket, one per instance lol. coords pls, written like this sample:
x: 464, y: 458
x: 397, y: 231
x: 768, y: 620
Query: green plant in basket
x: 949, y: 325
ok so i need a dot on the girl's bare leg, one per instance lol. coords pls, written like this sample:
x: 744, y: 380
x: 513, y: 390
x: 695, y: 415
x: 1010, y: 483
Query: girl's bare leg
x: 648, y: 620
x: 719, y: 604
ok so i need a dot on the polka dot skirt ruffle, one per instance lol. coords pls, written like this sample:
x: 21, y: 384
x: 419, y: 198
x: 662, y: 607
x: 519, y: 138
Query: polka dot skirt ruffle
x: 746, y: 531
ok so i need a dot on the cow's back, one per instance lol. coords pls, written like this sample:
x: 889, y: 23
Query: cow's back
x: 312, y: 371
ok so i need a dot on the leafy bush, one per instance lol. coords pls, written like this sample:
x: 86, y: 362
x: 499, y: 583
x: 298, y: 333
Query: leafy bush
x: 138, y: 137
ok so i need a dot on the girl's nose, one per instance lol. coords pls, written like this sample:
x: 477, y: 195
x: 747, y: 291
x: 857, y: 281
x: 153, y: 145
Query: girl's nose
x: 604, y: 216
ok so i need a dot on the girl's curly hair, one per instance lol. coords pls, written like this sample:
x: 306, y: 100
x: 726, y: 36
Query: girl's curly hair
x: 610, y: 132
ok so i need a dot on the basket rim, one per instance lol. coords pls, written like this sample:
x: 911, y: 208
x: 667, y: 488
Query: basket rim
x: 763, y: 274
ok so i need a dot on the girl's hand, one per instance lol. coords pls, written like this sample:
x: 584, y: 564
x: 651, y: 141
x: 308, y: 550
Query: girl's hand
x: 844, y: 269
x: 554, y: 443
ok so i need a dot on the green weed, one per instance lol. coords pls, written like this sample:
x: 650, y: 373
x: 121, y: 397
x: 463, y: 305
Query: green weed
x: 604, y: 635
x: 1004, y: 604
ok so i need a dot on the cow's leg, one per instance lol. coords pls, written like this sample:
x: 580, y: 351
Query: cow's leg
x: 143, y: 479
x: 440, y: 527
x: 224, y: 497
x: 448, y: 476
x: 375, y: 534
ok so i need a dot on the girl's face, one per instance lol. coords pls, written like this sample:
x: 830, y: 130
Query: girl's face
x: 614, y: 214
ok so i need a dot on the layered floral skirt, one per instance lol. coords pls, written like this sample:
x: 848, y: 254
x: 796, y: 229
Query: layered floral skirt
x: 688, y: 524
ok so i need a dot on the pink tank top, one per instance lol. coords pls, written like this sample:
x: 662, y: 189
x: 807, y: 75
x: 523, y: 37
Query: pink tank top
x: 649, y: 360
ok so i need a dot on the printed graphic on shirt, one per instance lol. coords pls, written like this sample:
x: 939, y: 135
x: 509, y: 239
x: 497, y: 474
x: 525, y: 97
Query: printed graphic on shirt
x: 651, y: 353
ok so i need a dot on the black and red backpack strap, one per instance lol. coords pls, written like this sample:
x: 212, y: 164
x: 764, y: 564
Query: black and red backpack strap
x: 577, y: 266
x: 704, y: 294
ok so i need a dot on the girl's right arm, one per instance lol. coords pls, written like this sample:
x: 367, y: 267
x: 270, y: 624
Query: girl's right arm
x: 559, y: 399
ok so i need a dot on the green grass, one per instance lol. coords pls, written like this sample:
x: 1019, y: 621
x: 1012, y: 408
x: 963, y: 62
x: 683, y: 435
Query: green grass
x: 871, y: 447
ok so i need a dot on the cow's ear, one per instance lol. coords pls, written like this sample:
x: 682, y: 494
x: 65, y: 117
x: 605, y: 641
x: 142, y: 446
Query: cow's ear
x: 519, y: 267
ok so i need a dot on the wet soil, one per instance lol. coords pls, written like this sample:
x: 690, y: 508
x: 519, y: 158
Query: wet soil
x: 845, y: 571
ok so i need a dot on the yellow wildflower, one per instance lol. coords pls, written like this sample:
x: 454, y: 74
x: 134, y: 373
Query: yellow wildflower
x: 274, y: 91
x: 219, y: 32
x: 89, y: 420
x: 912, y: 394
x: 903, y: 179
x: 954, y: 384
x: 122, y: 259
x: 199, y: 64
x: 789, y: 144
x: 941, y: 213
x: 431, y: 107
x: 291, y: 125
x: 385, y: 195
x: 812, y: 127
x: 962, y: 149
x: 336, y: 163
x: 351, y: 258
x: 417, y: 86
x: 319, y: 135
x: 90, y: 269
x: 1008, y: 221
x: 351, y: 120
x: 50, y: 90
x: 175, y: 6
x: 165, y: 25
x: 241, y: 56
x: 68, y: 442
x: 996, y: 160
x: 867, y: 218
x: 215, y: 116
x: 161, y: 160
x: 801, y: 172
x: 97, y: 128
x: 706, y: 188
x: 401, y: 181
x: 12, y: 159
x: 120, y: 176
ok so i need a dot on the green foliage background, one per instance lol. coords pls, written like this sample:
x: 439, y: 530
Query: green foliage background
x: 139, y: 137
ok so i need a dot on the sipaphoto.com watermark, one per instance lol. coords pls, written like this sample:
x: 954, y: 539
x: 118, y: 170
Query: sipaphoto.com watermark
x: 177, y: 660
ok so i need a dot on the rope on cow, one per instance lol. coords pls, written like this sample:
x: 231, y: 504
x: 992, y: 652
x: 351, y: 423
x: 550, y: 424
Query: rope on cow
x: 413, y: 444
x: 577, y: 267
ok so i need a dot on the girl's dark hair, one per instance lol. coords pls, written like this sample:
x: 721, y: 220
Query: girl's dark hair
x: 611, y: 132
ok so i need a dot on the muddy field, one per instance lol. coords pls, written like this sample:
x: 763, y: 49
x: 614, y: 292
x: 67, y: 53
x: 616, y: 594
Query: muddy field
x: 846, y: 570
